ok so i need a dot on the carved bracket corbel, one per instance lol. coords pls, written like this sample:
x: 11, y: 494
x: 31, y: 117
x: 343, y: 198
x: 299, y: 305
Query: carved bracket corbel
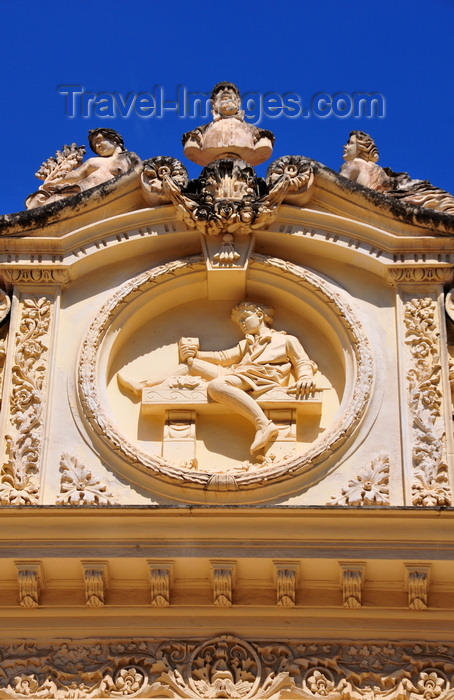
x: 96, y: 578
x: 352, y: 579
x: 417, y: 579
x: 223, y: 579
x: 30, y: 577
x: 161, y: 577
x: 285, y: 580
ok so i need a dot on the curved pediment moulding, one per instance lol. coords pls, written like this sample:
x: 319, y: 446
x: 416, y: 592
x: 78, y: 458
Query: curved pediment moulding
x: 157, y: 307
x: 294, y: 234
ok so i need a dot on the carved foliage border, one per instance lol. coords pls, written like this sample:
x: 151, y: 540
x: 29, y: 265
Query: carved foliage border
x: 430, y: 485
x: 227, y: 667
x: 326, y: 445
x: 19, y: 476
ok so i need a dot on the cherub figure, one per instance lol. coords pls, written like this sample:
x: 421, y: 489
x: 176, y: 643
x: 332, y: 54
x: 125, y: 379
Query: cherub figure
x: 236, y: 377
x: 361, y: 155
x: 62, y: 179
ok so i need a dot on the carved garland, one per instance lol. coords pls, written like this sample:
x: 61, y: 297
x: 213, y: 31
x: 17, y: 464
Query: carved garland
x: 227, y: 667
x: 242, y: 476
x: 431, y: 483
x: 19, y: 477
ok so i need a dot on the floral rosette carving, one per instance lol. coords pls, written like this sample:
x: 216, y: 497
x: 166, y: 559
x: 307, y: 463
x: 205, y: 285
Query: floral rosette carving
x: 226, y: 667
x: 431, y: 483
x: 19, y: 476
x: 369, y: 488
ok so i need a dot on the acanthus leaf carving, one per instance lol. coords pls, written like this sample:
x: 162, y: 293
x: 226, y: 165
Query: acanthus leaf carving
x: 19, y: 477
x: 78, y: 486
x: 369, y: 488
x: 431, y: 483
x: 226, y: 667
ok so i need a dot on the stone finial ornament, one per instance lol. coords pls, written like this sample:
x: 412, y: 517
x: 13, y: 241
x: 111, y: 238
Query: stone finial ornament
x: 361, y: 156
x: 65, y: 174
x: 228, y: 135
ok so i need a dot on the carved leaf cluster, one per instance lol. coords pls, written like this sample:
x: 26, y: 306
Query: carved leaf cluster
x: 431, y: 483
x: 78, y: 486
x: 18, y: 478
x: 369, y: 488
x: 226, y: 667
x: 69, y: 158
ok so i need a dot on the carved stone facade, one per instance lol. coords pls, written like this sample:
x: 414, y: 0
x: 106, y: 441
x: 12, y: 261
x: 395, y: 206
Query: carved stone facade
x: 226, y: 419
x: 226, y: 667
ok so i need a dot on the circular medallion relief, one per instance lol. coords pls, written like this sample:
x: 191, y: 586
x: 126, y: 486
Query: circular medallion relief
x: 193, y: 394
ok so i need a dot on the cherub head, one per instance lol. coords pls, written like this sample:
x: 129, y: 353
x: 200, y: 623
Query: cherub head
x: 252, y: 316
x: 104, y: 142
x: 360, y: 145
x: 226, y: 99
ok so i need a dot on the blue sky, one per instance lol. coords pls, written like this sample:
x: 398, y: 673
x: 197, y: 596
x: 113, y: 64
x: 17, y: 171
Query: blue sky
x: 401, y: 50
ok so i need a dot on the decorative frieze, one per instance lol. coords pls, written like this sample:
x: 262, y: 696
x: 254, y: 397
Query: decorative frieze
x: 78, y: 486
x: 160, y: 581
x: 286, y: 578
x: 38, y: 275
x: 437, y: 275
x: 430, y: 485
x: 19, y: 476
x: 369, y: 488
x: 352, y: 577
x: 96, y: 577
x: 222, y: 574
x: 226, y: 667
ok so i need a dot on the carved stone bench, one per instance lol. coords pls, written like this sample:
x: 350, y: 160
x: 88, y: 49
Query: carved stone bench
x: 181, y: 405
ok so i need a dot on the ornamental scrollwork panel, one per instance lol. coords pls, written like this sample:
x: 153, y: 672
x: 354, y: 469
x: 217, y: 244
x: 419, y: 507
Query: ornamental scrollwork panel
x: 19, y: 476
x: 227, y: 667
x: 430, y: 485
